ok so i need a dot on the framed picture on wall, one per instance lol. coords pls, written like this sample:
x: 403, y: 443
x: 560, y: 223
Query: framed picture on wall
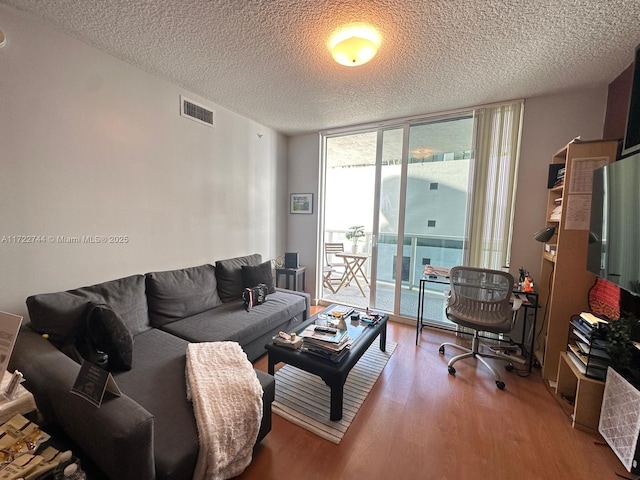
x: 301, y: 203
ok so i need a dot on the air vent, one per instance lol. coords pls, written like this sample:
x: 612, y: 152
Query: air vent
x: 196, y: 111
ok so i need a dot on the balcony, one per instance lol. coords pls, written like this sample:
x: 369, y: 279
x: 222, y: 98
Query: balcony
x: 418, y: 251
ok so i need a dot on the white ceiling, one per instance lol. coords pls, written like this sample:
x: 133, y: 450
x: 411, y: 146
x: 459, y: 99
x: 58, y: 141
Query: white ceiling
x: 268, y: 59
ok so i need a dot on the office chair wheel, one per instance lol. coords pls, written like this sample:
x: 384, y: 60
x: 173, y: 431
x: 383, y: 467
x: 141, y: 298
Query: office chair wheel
x: 441, y: 350
x: 452, y: 371
x: 509, y: 367
x: 500, y: 384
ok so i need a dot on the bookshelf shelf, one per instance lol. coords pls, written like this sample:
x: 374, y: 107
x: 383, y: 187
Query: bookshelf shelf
x: 586, y: 392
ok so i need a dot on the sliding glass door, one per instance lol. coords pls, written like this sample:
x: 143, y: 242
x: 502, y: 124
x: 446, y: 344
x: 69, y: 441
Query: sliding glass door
x: 435, y: 208
x: 397, y: 199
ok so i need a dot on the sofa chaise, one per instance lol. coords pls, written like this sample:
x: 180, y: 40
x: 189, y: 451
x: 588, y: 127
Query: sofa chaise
x: 150, y: 431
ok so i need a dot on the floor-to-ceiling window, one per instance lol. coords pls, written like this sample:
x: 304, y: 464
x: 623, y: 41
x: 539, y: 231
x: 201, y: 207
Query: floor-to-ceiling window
x: 411, y: 186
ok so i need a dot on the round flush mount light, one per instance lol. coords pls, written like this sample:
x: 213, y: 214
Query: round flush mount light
x: 3, y: 39
x: 354, y: 46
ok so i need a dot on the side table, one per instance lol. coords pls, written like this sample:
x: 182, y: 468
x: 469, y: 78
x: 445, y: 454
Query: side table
x: 293, y: 278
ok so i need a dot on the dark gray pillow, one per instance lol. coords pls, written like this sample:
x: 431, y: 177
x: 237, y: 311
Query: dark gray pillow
x: 61, y: 314
x: 229, y: 275
x: 107, y: 332
x: 181, y: 293
x: 253, y: 275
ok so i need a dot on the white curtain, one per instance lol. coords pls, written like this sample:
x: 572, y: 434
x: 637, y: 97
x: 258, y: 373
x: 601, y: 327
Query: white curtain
x: 495, y: 167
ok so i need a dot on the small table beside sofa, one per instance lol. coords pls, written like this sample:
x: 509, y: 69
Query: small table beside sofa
x: 150, y: 431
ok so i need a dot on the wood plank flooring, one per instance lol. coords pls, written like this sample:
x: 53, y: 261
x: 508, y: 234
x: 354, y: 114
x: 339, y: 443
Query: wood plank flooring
x: 419, y: 422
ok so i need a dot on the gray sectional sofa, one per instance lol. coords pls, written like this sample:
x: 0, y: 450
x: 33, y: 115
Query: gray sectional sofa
x: 150, y: 431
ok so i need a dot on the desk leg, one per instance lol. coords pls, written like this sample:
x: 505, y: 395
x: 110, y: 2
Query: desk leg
x: 383, y: 338
x: 532, y: 346
x: 420, y: 311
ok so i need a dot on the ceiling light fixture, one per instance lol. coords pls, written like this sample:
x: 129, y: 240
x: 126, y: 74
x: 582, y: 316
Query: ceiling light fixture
x: 354, y: 46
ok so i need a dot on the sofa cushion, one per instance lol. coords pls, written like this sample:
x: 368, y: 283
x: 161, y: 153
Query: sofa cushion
x: 108, y: 332
x: 253, y: 275
x: 229, y: 275
x: 157, y: 383
x: 61, y: 314
x: 233, y: 323
x: 181, y: 293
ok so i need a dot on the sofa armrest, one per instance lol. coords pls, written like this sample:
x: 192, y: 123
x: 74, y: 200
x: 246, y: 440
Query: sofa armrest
x: 307, y: 299
x: 117, y: 436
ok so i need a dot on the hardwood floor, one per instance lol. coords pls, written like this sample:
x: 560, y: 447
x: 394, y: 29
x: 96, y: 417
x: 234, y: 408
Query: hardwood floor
x: 419, y: 422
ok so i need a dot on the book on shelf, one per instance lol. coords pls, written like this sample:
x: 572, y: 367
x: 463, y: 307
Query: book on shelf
x: 597, y: 373
x: 592, y: 321
x: 596, y: 353
x: 587, y: 360
x: 556, y: 214
x: 589, y: 340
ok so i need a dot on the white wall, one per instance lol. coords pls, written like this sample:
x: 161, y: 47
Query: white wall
x: 550, y: 122
x: 90, y: 145
x: 302, y: 175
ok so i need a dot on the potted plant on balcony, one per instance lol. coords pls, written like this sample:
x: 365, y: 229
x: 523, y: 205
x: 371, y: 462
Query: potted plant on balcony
x: 354, y: 234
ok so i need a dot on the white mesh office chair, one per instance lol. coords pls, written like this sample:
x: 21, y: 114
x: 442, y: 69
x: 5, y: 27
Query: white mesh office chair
x: 480, y: 299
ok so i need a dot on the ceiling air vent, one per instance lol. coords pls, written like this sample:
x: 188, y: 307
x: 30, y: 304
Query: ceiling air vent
x: 196, y: 111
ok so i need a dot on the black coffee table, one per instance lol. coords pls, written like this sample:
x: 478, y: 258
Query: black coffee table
x: 333, y: 374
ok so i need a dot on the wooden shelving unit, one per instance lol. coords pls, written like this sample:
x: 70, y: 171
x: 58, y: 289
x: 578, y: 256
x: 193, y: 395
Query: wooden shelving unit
x: 586, y: 393
x: 564, y: 282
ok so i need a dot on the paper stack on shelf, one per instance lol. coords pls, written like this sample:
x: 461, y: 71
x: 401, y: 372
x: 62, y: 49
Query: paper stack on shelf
x: 556, y: 213
x: 588, y: 351
x: 560, y: 177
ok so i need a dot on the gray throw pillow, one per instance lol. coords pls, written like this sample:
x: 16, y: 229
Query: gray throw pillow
x: 253, y: 275
x: 107, y: 332
x: 61, y: 315
x: 229, y: 276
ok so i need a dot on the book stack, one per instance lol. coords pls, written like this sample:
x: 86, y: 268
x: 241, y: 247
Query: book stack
x: 560, y: 177
x: 587, y: 347
x: 327, y: 342
x: 556, y: 213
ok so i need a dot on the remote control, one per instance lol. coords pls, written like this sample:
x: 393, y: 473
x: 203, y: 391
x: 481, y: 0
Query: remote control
x: 325, y: 329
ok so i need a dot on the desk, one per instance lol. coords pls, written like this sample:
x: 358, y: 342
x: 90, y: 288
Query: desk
x: 294, y: 278
x: 353, y: 263
x: 530, y: 302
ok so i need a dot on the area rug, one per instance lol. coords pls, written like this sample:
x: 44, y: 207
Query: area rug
x: 304, y: 399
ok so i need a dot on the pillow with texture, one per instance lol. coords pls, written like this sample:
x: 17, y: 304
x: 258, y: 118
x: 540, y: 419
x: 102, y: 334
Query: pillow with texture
x: 253, y: 275
x: 108, y: 332
x: 229, y: 276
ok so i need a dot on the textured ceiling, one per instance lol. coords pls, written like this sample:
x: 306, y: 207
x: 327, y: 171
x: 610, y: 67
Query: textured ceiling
x: 268, y: 59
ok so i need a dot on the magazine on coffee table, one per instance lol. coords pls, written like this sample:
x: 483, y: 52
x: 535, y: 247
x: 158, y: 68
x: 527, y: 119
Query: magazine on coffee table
x: 331, y: 337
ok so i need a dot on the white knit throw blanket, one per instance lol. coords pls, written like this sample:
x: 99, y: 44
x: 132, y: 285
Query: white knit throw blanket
x: 227, y: 402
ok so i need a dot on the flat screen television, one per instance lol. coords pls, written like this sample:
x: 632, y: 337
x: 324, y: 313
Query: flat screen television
x: 632, y: 134
x: 614, y: 237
